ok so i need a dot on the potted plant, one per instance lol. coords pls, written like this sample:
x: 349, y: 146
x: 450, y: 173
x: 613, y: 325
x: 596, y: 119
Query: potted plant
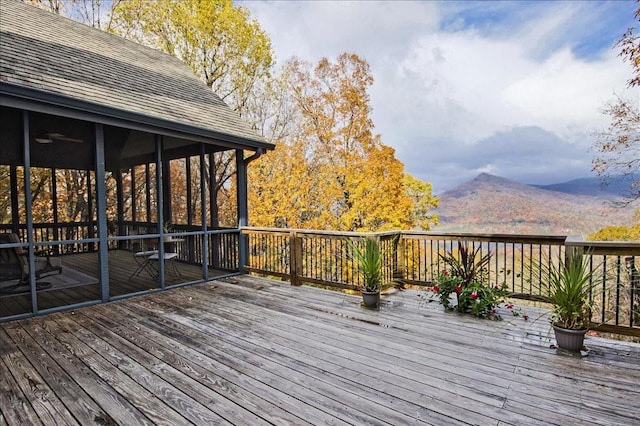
x: 569, y: 287
x: 167, y: 227
x: 368, y: 257
x: 466, y: 275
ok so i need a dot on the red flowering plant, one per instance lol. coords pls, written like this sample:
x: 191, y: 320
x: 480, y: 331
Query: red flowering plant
x: 467, y: 277
x: 447, y: 283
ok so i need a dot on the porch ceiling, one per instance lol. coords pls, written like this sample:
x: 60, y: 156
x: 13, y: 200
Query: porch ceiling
x: 123, y: 147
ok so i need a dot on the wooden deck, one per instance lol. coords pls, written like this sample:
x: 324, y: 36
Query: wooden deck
x: 251, y: 351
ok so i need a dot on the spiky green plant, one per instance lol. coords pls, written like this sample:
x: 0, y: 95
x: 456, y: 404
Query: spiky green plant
x: 469, y: 264
x: 569, y: 286
x: 368, y: 257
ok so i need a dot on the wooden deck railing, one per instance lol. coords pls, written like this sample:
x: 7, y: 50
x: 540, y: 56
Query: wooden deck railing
x: 77, y: 232
x: 319, y: 257
x: 80, y: 237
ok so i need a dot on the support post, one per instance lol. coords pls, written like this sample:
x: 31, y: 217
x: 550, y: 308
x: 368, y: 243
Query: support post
x: 243, y: 210
x: 160, y: 207
x: 29, y: 212
x: 101, y: 204
x: 203, y: 215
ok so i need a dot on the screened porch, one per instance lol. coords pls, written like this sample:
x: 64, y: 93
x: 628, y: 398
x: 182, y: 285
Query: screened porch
x: 155, y: 213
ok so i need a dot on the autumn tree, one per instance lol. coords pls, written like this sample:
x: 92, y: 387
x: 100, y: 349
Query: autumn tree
x: 223, y: 46
x: 331, y: 171
x: 619, y: 144
x: 96, y: 13
x: 423, y: 202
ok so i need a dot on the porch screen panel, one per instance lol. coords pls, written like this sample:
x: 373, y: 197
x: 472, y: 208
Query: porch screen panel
x: 178, y: 192
x: 140, y: 194
x: 153, y: 193
x: 196, y: 199
x: 75, y: 207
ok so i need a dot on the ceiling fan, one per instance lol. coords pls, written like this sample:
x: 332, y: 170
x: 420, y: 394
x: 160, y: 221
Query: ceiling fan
x: 57, y: 137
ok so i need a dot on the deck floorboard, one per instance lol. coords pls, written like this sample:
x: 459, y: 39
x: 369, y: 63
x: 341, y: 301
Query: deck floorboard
x: 251, y: 351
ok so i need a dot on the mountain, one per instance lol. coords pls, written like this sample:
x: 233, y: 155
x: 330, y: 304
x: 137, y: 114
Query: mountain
x: 618, y: 186
x: 492, y: 204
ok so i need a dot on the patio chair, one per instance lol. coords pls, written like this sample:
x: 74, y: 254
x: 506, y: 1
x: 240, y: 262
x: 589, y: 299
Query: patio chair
x: 169, y: 261
x: 14, y: 263
x: 141, y: 256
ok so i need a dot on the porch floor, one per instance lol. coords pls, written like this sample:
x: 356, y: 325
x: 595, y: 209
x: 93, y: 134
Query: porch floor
x: 121, y: 265
x: 253, y: 351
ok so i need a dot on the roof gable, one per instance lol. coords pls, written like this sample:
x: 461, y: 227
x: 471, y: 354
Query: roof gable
x: 49, y: 53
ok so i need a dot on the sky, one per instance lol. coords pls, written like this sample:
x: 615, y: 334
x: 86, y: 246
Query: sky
x: 513, y: 89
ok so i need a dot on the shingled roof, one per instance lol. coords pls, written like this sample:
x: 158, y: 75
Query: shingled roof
x: 48, y: 58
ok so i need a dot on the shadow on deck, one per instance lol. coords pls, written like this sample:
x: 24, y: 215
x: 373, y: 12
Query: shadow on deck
x: 248, y: 350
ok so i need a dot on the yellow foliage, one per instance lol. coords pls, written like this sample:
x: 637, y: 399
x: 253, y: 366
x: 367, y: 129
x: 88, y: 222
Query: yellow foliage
x: 619, y: 233
x: 220, y: 42
x: 333, y: 172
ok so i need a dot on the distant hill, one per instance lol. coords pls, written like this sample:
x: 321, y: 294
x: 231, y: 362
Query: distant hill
x: 618, y: 186
x: 492, y: 204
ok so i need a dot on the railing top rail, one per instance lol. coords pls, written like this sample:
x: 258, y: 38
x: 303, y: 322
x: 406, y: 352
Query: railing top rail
x: 181, y: 226
x: 507, y: 238
x: 622, y: 248
x: 340, y: 234
x: 254, y: 230
x: 631, y: 248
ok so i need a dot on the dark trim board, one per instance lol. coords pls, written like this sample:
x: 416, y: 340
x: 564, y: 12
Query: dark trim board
x: 247, y: 350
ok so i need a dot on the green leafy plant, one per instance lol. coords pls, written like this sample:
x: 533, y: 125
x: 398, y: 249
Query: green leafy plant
x: 569, y: 286
x: 368, y: 257
x: 467, y: 277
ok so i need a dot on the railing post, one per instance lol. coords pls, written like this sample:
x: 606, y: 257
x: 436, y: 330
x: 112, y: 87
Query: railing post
x: 295, y: 261
x: 399, y: 269
x: 572, y: 248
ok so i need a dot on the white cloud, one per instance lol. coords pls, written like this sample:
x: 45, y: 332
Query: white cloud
x: 449, y: 76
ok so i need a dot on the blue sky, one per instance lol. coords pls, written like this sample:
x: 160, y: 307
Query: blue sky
x: 597, y: 25
x: 509, y: 88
